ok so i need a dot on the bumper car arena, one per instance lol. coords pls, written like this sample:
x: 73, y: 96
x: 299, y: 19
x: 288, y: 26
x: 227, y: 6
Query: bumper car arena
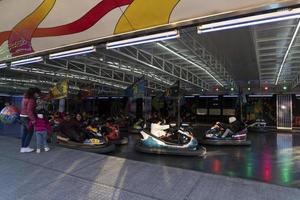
x: 211, y: 94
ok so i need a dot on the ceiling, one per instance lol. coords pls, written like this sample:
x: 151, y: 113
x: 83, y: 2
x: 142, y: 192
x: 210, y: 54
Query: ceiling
x: 237, y: 58
x: 237, y: 47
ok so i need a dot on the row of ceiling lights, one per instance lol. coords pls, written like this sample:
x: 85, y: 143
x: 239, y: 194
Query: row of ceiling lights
x: 224, y: 25
x: 266, y: 88
x: 123, y: 43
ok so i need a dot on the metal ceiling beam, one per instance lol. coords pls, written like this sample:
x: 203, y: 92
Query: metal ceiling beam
x: 152, y: 81
x: 276, y: 39
x: 258, y: 62
x: 216, y: 67
x: 278, y: 55
x: 291, y: 43
x: 50, y: 78
x: 98, y: 74
x: 115, y: 63
x: 276, y: 47
x: 158, y: 64
x: 272, y: 27
x: 269, y: 62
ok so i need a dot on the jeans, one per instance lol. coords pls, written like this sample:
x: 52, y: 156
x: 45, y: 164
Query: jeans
x: 41, y: 139
x: 26, y: 133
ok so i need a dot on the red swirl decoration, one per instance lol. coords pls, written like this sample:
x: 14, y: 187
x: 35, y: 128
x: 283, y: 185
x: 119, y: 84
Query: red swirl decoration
x: 20, y: 41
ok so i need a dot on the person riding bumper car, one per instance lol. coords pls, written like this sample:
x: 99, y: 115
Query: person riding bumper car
x: 137, y: 127
x: 112, y: 133
x: 162, y: 139
x: 234, y: 133
x: 71, y: 135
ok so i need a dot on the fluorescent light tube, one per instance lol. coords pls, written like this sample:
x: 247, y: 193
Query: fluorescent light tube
x: 3, y: 65
x: 230, y: 96
x: 91, y: 98
x: 192, y: 63
x: 250, y: 21
x: 189, y: 96
x: 288, y: 51
x: 26, y: 61
x: 260, y: 95
x: 144, y: 39
x: 73, y: 52
x: 4, y: 95
x: 209, y: 96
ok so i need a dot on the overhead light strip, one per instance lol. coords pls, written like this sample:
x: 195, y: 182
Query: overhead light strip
x: 196, y: 65
x: 144, y: 39
x: 3, y: 65
x: 26, y: 61
x: 230, y: 96
x: 287, y: 52
x: 260, y: 95
x: 4, y: 95
x: 73, y: 52
x: 189, y: 96
x: 250, y: 21
x: 209, y: 96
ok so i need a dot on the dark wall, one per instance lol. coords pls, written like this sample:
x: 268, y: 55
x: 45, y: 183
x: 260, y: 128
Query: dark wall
x: 296, y: 111
x: 209, y: 110
x: 97, y: 106
x: 261, y: 108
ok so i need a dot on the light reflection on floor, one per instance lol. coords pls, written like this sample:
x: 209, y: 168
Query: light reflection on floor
x: 272, y: 158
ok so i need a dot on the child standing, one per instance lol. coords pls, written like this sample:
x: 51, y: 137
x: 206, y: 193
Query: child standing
x: 41, y: 129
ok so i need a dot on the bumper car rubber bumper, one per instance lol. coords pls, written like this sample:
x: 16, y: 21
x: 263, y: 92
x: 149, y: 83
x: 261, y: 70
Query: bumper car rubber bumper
x: 225, y: 142
x: 121, y: 141
x: 103, y: 148
x: 201, y: 151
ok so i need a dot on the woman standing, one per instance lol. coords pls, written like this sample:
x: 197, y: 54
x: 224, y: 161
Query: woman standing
x: 27, y: 115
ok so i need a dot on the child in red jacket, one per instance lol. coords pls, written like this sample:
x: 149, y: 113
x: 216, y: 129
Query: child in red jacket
x: 41, y: 129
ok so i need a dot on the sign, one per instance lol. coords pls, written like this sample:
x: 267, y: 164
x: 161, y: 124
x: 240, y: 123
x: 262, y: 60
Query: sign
x: 60, y: 90
x: 137, y: 89
x: 39, y: 25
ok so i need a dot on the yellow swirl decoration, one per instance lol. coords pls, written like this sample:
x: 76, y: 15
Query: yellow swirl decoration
x: 143, y: 14
x: 20, y: 38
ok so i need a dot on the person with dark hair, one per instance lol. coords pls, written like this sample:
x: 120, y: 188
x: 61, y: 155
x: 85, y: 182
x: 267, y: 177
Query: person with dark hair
x: 27, y: 115
x: 78, y: 118
x: 72, y: 129
x: 234, y: 126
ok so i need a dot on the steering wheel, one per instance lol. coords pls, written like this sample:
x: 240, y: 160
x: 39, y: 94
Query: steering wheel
x: 172, y: 130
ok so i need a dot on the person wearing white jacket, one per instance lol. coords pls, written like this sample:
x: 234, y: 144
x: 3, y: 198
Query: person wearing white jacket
x: 159, y: 130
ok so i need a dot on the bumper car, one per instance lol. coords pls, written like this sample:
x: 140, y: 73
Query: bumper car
x: 258, y: 126
x: 219, y: 136
x: 161, y: 139
x: 137, y: 127
x: 93, y: 145
x: 96, y: 143
x: 112, y: 133
x: 123, y: 123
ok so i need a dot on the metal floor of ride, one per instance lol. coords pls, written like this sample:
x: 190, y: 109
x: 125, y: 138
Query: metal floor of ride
x: 272, y: 158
